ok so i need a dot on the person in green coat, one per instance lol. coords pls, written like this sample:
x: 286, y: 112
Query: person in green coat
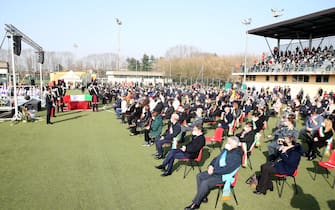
x: 154, y: 129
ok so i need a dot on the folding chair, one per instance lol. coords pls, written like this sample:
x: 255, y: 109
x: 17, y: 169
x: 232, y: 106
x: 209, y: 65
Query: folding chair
x: 216, y: 138
x: 246, y: 158
x: 232, y: 186
x: 328, y: 165
x: 197, y: 160
x: 327, y: 148
x: 232, y: 127
x: 281, y: 179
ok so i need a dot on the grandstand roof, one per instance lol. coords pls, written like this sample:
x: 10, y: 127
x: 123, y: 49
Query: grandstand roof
x: 316, y: 25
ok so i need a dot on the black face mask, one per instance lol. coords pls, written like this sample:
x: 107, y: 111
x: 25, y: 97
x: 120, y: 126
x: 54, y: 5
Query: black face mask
x: 285, y: 144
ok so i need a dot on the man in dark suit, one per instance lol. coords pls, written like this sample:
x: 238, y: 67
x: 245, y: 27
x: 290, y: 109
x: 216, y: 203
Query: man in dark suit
x: 247, y: 135
x: 171, y: 132
x: 190, y: 150
x: 227, y: 163
x: 49, y: 105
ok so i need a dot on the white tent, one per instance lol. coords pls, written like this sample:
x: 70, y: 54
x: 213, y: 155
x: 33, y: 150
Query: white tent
x: 71, y: 79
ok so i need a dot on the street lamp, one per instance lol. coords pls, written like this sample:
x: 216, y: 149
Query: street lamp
x: 246, y: 22
x: 119, y: 23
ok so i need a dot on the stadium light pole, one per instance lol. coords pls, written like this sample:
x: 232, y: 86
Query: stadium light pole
x: 246, y: 22
x: 119, y: 23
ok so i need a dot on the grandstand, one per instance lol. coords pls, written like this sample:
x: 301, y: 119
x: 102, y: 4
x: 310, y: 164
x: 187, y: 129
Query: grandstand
x: 307, y: 64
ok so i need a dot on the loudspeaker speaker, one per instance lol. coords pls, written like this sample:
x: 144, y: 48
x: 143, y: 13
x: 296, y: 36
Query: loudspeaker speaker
x: 32, y: 82
x: 17, y: 45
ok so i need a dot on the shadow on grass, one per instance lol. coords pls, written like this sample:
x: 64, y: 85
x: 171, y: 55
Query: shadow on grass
x: 331, y: 204
x: 311, y: 171
x: 318, y: 170
x: 67, y: 113
x: 71, y: 118
x: 192, y: 166
x: 225, y: 206
x: 304, y: 201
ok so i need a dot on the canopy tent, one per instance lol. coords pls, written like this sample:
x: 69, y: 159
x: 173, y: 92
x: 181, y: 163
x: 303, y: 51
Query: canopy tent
x: 71, y: 79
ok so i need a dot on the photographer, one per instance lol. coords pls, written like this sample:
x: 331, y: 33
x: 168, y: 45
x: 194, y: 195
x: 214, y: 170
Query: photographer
x: 287, y: 163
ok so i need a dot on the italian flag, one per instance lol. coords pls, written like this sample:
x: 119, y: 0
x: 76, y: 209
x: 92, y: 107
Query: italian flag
x: 81, y: 97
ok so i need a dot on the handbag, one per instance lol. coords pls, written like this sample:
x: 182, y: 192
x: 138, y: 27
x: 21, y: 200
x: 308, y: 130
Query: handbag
x: 252, y: 181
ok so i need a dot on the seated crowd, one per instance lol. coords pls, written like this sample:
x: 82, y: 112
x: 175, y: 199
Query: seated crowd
x: 184, y: 112
x: 296, y: 60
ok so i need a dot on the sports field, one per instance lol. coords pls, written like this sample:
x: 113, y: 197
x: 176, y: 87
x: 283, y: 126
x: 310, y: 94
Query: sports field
x: 87, y: 160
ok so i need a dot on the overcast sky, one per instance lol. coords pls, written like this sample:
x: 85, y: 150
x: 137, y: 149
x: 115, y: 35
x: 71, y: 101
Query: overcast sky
x: 149, y: 26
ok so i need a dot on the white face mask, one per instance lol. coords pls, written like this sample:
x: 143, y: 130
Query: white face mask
x: 228, y: 147
x: 194, y: 133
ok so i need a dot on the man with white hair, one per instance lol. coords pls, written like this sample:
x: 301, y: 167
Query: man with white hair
x: 220, y: 170
x: 171, y: 132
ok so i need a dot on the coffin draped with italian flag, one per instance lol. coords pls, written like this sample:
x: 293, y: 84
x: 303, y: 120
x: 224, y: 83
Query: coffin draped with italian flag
x: 77, y: 101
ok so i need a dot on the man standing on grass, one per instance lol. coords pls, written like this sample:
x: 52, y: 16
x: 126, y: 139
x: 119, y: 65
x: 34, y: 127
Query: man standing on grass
x: 48, y: 105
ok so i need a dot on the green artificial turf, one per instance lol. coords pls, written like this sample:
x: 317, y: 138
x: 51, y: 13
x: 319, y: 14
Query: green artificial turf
x: 87, y: 160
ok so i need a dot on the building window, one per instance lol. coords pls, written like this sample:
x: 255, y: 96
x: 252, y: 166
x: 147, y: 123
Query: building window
x: 267, y: 78
x: 284, y: 78
x: 300, y: 78
x: 322, y: 78
x: 251, y: 78
x: 276, y: 78
x: 306, y: 78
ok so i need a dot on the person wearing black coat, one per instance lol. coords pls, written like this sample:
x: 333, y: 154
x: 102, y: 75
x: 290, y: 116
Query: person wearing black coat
x: 247, y: 135
x: 190, y: 150
x: 49, y: 105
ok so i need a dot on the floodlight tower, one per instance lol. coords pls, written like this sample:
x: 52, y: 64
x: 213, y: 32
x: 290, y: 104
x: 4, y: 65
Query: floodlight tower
x: 246, y: 22
x: 119, y: 23
x: 276, y: 13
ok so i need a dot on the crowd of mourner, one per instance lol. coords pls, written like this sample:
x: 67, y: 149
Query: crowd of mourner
x: 172, y: 120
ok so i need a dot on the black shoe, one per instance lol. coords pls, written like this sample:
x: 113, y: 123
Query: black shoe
x: 312, y: 157
x: 49, y: 123
x: 166, y: 174
x: 271, y: 188
x: 205, y: 200
x: 192, y: 206
x: 161, y: 167
x: 158, y: 157
x: 258, y: 193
